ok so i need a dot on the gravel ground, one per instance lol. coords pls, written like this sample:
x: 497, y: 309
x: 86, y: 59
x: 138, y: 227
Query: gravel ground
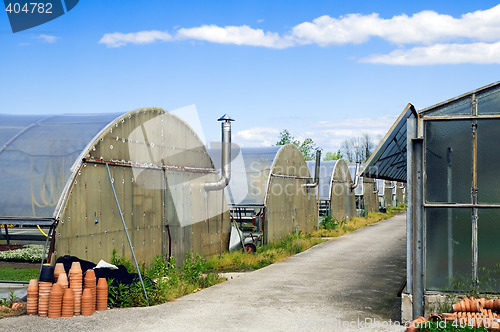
x: 348, y: 283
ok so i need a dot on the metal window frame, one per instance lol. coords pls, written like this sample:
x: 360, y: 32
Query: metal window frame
x: 474, y: 205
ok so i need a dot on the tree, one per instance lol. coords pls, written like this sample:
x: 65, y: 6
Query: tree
x: 306, y: 147
x: 332, y: 156
x: 358, y: 149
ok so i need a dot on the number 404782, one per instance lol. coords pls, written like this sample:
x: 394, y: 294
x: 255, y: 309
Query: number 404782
x: 32, y: 8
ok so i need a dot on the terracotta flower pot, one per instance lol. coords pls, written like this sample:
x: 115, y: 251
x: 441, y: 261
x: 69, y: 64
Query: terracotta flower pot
x: 87, y: 302
x: 78, y: 300
x: 449, y: 316
x: 58, y: 269
x: 102, y: 295
x: 32, y: 299
x: 44, y: 289
x: 63, y: 280
x: 467, y: 304
x: 68, y: 304
x: 413, y: 326
x: 55, y: 301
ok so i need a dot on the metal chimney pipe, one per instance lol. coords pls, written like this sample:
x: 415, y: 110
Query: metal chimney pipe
x: 226, y: 156
x: 316, y: 171
x: 357, y: 176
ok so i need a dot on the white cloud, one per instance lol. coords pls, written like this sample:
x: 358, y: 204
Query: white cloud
x: 440, y: 39
x: 48, y: 39
x: 118, y: 39
x: 237, y: 35
x: 258, y: 136
x: 478, y: 53
x: 425, y: 27
x: 329, y: 135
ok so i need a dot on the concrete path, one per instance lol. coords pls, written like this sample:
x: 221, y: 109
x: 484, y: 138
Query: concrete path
x: 343, y: 284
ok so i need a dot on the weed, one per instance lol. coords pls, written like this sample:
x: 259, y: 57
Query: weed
x: 9, y: 300
x: 265, y: 255
x: 330, y: 223
x: 115, y: 260
x: 163, y: 282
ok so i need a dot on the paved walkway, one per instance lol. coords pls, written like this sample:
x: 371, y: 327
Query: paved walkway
x: 339, y: 285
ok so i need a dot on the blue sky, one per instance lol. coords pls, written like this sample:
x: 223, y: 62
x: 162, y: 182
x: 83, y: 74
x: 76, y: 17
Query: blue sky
x: 328, y: 70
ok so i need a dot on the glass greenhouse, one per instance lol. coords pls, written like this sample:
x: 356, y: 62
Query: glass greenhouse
x: 445, y: 154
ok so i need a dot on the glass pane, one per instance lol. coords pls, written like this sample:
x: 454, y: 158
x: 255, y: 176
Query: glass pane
x: 458, y: 107
x: 488, y: 249
x: 489, y: 103
x: 448, y: 161
x: 448, y: 253
x: 488, y: 150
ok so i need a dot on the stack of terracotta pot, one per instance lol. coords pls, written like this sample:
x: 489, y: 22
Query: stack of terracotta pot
x: 46, y: 298
x: 55, y: 301
x: 469, y: 305
x: 44, y: 288
x: 102, y: 295
x: 68, y: 303
x: 87, y: 303
x: 471, y: 312
x: 492, y: 304
x: 75, y: 283
x: 32, y: 304
x: 90, y: 284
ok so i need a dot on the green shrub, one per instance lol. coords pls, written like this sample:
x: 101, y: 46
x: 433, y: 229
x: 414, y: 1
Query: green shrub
x: 330, y: 223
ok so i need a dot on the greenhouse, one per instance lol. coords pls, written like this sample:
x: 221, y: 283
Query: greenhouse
x: 108, y: 182
x: 269, y: 188
x: 391, y: 193
x: 335, y: 196
x: 446, y: 155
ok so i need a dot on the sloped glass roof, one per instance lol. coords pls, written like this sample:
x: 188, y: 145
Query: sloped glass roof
x: 36, y: 155
x: 388, y: 161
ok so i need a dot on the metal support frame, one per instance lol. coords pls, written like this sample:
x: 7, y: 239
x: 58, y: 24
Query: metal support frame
x: 6, y: 234
x: 126, y: 233
x: 411, y: 125
x: 418, y: 228
x: 449, y: 183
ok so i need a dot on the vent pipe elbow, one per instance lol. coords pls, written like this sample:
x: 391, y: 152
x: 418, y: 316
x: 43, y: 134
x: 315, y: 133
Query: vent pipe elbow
x: 357, y: 176
x: 316, y: 171
x: 226, y: 156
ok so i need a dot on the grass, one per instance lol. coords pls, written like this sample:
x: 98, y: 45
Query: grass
x: 331, y: 227
x: 164, y: 281
x: 265, y: 255
x: 14, y: 274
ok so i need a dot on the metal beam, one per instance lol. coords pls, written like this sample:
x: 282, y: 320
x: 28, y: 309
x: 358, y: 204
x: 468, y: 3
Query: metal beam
x: 418, y: 229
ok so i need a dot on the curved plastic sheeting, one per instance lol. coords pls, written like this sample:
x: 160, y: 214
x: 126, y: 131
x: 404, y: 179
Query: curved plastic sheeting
x: 36, y: 156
